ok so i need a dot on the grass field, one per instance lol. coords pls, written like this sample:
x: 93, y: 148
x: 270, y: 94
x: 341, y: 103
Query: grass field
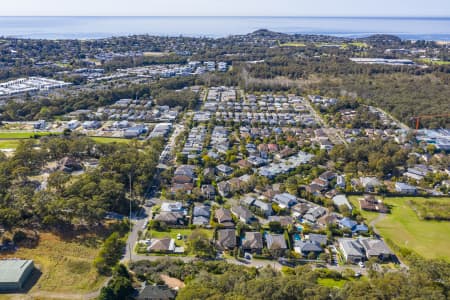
x: 14, y: 135
x: 330, y: 282
x: 65, y: 266
x: 174, y: 232
x: 9, y: 144
x: 434, y: 62
x: 431, y: 239
x: 293, y: 44
x: 106, y: 140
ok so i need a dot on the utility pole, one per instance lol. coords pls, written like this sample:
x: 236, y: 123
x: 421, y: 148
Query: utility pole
x: 131, y: 198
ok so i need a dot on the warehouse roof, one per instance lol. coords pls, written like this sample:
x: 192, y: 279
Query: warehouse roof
x: 13, y: 270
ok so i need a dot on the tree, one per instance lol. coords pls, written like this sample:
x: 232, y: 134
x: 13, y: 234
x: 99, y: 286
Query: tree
x: 200, y: 245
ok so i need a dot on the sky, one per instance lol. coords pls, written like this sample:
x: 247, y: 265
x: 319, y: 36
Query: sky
x: 401, y: 8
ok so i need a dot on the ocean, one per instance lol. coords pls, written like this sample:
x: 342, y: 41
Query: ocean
x: 102, y: 27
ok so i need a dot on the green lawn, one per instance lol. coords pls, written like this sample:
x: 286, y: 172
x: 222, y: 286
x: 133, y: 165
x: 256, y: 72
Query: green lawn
x: 330, y: 282
x: 431, y: 239
x: 434, y: 62
x: 9, y: 144
x: 293, y: 44
x: 22, y: 134
x: 172, y: 233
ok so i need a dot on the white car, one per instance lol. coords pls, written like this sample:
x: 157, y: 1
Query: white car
x: 361, y: 264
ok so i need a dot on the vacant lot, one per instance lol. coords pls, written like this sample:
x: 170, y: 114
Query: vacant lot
x: 430, y: 239
x: 65, y: 266
x: 172, y: 233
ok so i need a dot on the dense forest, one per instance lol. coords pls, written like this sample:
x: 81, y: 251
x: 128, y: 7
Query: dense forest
x: 68, y: 200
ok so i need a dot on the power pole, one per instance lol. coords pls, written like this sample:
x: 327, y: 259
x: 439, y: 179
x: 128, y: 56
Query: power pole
x: 131, y: 198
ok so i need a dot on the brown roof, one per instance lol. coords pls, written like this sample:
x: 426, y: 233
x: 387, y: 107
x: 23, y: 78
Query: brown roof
x: 372, y: 204
x: 160, y: 244
x: 180, y: 179
x: 223, y: 215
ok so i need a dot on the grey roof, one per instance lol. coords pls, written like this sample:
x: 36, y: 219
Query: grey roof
x: 375, y: 247
x: 339, y: 200
x: 276, y: 241
x: 253, y: 240
x: 200, y: 220
x: 320, y: 239
x: 11, y: 271
x: 226, y: 238
x: 203, y: 210
x: 351, y: 247
x: 308, y: 246
x: 242, y: 212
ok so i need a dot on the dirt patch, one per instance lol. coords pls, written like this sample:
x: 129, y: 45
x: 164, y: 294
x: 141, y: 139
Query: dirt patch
x: 173, y: 283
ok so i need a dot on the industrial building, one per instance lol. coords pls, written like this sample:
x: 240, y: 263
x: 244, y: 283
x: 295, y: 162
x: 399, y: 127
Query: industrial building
x: 14, y: 273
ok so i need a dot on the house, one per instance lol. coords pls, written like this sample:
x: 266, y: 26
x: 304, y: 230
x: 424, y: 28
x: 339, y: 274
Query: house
x: 314, y: 213
x: 327, y: 176
x: 353, y: 225
x: 285, y: 200
x: 182, y: 187
x: 284, y: 153
x: 171, y: 218
x: 224, y: 170
x: 69, y: 164
x: 243, y: 214
x: 376, y: 248
x: 163, y: 245
x: 340, y: 182
x: 264, y: 207
x: 172, y: 207
x: 208, y: 191
x: 276, y: 241
x: 340, y: 200
x: 331, y: 218
x: 209, y: 174
x: 370, y: 203
x: 307, y: 247
x: 323, y: 184
x: 252, y: 242
x: 201, y: 215
x: 134, y: 132
x: 187, y: 170
x: 224, y: 188
x: 320, y: 239
x: 181, y: 179
x: 283, y: 220
x: 226, y: 239
x: 405, y: 188
x: 223, y: 217
x: 369, y: 183
x: 157, y: 292
x: 352, y: 250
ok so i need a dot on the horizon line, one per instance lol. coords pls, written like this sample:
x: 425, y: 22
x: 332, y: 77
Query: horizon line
x: 225, y: 16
